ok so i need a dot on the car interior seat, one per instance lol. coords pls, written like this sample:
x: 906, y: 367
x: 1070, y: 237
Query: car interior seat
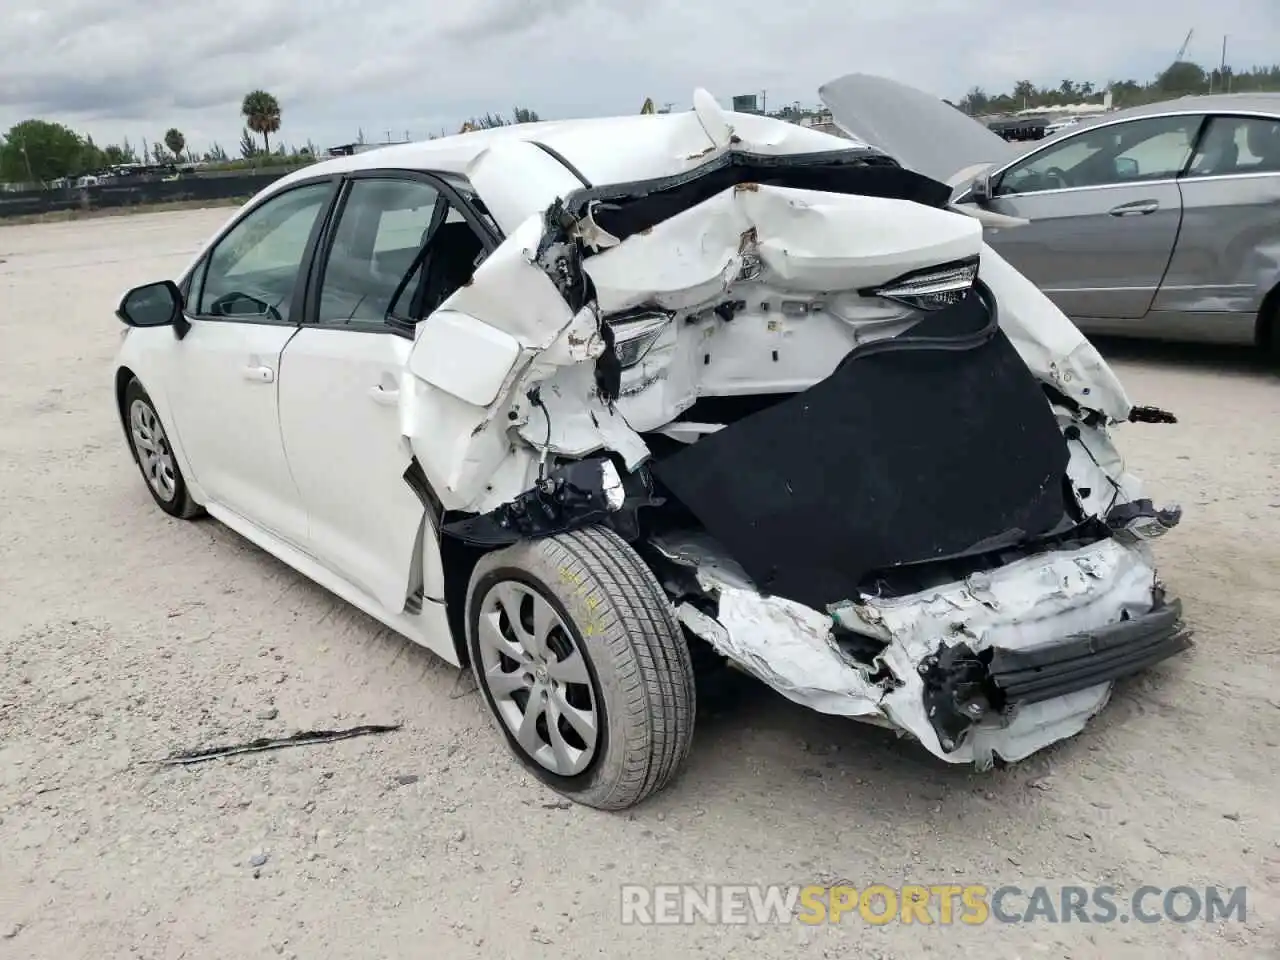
x: 1264, y: 142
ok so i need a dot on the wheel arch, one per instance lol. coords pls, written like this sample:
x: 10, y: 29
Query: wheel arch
x: 1267, y: 331
x: 123, y: 377
x: 459, y: 561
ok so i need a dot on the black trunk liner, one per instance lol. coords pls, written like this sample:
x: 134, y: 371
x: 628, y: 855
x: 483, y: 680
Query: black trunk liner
x: 932, y: 445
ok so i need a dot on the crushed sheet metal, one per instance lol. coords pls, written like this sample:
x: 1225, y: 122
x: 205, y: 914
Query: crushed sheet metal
x: 462, y: 446
x: 807, y: 240
x: 789, y: 646
x: 1032, y: 602
x: 1049, y: 343
x: 1019, y: 606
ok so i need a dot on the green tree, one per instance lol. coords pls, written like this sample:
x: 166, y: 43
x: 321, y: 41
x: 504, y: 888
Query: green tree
x: 261, y: 112
x: 1183, y: 77
x: 491, y: 120
x: 248, y: 146
x: 38, y: 151
x: 175, y: 141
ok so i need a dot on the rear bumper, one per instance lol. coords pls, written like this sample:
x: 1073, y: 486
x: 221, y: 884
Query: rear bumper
x: 1000, y: 664
x: 963, y: 687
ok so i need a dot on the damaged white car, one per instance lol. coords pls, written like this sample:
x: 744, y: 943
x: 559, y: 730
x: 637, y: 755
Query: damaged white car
x: 564, y: 400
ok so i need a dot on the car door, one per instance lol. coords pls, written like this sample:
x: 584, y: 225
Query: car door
x: 340, y: 383
x: 1226, y: 258
x: 242, y: 308
x: 1104, y: 210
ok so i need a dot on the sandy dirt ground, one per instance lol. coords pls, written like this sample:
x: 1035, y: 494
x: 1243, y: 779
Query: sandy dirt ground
x: 125, y: 635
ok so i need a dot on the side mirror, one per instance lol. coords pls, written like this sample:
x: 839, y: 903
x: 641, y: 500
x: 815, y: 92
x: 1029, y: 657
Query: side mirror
x: 151, y: 305
x: 1126, y: 168
x: 981, y: 188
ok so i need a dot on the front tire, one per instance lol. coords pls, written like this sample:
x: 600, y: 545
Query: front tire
x: 583, y: 664
x: 153, y: 453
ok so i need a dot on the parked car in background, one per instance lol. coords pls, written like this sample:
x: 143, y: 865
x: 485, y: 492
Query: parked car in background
x: 1155, y: 221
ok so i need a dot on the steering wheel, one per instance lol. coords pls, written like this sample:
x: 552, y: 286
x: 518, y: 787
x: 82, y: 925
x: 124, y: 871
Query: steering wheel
x: 1058, y: 176
x: 223, y: 306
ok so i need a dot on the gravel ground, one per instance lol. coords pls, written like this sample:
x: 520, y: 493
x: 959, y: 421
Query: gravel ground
x: 125, y: 635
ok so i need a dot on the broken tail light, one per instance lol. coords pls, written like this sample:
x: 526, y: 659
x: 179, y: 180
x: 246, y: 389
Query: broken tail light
x: 635, y: 334
x: 932, y: 288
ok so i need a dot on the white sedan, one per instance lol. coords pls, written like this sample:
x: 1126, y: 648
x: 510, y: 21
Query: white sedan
x: 562, y: 401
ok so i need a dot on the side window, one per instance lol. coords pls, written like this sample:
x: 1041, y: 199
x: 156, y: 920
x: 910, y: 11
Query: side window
x: 1238, y: 145
x: 252, y: 270
x: 382, y: 227
x: 1155, y: 148
x: 453, y: 252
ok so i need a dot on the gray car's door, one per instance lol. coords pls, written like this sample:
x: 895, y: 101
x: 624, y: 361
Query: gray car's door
x: 1228, y: 253
x: 1105, y: 209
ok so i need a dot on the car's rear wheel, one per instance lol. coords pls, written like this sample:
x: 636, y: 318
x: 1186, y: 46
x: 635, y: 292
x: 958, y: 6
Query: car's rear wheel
x: 154, y: 454
x: 583, y: 664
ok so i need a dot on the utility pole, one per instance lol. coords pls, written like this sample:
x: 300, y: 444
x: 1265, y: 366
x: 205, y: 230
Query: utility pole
x: 1222, y: 69
x: 764, y: 102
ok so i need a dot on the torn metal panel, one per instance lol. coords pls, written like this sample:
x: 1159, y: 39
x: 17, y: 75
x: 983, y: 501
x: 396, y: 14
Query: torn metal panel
x: 808, y: 241
x: 1049, y: 343
x: 1035, y: 605
x: 515, y: 328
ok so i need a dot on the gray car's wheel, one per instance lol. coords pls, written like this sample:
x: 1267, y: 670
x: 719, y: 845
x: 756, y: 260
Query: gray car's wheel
x: 582, y: 662
x: 154, y: 456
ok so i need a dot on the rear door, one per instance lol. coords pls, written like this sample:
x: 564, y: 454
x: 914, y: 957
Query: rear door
x: 1228, y: 252
x: 341, y: 380
x: 1104, y: 210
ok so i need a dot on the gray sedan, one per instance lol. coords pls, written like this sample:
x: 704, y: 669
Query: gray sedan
x: 1156, y: 221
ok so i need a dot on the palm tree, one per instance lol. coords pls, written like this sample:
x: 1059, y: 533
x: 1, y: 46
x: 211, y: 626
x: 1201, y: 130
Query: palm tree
x: 262, y: 114
x: 175, y: 141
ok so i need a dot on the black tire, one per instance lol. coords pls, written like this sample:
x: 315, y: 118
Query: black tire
x: 171, y: 495
x: 637, y: 659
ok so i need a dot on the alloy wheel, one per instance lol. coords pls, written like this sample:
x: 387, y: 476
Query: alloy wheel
x: 152, y: 447
x: 537, y: 675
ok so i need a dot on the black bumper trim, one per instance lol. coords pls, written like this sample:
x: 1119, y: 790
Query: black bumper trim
x: 962, y: 686
x: 1088, y: 659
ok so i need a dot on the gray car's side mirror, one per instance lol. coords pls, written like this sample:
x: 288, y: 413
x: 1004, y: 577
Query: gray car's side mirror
x: 151, y: 305
x: 980, y: 190
x: 1126, y: 168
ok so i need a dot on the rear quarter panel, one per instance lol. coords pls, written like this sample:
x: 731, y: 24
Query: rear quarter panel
x: 1228, y: 253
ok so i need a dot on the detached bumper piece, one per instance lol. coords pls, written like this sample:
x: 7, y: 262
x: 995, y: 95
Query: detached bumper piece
x: 962, y: 687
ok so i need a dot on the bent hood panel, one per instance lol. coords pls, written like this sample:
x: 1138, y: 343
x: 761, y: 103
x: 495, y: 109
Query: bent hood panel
x: 919, y: 130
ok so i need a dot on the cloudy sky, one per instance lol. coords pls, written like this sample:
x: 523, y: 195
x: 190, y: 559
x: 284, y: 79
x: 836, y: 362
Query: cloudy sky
x: 117, y: 68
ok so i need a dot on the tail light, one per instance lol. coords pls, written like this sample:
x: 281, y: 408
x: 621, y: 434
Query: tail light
x: 635, y: 334
x: 932, y: 288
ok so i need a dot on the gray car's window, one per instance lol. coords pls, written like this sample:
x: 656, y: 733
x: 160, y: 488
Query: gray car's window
x: 382, y: 228
x: 1238, y: 145
x: 1154, y: 148
x: 252, y: 271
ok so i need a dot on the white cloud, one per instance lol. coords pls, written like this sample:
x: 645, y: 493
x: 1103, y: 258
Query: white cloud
x: 116, y: 68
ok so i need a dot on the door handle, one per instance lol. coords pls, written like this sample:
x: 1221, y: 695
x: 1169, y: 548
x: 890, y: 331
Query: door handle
x: 259, y: 374
x: 1138, y: 208
x: 381, y: 395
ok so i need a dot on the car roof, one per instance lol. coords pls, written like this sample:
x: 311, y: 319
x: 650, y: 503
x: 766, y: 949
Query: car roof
x: 1268, y: 103
x: 606, y: 150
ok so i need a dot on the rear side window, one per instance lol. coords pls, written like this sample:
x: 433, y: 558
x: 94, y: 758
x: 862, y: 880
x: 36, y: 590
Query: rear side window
x: 1233, y: 145
x: 382, y: 227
